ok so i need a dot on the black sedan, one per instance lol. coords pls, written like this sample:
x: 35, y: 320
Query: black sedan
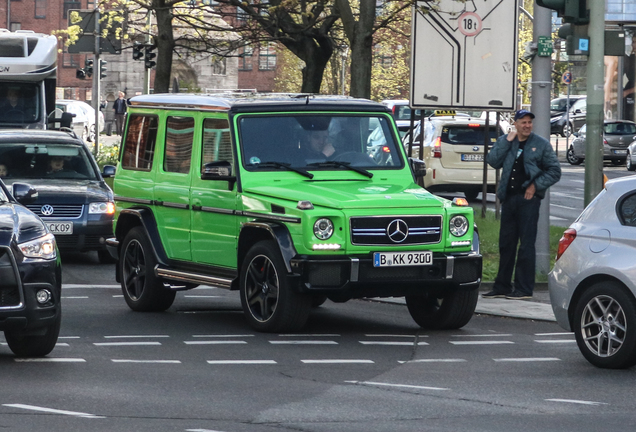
x: 30, y: 276
x: 74, y: 202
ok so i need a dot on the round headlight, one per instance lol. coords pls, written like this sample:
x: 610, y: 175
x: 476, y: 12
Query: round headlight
x: 458, y: 225
x: 323, y: 228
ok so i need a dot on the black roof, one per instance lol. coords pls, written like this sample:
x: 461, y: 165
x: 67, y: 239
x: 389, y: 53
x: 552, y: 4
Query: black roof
x: 255, y: 102
x: 39, y: 135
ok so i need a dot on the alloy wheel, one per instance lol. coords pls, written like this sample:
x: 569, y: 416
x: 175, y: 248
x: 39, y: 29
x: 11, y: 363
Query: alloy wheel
x: 603, y: 326
x: 262, y: 288
x: 134, y: 269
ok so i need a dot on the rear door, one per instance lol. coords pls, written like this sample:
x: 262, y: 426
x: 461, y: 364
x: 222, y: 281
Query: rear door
x: 463, y: 145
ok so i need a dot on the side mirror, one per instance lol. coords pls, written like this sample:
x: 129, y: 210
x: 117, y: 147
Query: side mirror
x: 109, y: 171
x: 578, y: 111
x: 24, y: 193
x: 418, y: 167
x: 576, y: 134
x: 219, y: 171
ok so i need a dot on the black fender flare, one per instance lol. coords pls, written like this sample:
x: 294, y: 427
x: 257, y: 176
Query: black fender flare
x: 252, y: 232
x: 132, y: 217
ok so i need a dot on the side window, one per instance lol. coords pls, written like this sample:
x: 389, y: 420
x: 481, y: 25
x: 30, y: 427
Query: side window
x: 178, y: 150
x: 217, y: 145
x: 139, y: 147
x: 627, y: 210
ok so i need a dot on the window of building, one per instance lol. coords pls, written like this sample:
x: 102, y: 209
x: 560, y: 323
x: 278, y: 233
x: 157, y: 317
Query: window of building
x: 219, y: 65
x: 16, y: 26
x: 178, y: 149
x: 245, y: 58
x: 267, y: 57
x: 70, y: 60
x: 68, y: 5
x: 139, y: 148
x: 40, y: 8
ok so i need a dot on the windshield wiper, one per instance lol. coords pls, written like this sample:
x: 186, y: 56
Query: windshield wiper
x: 344, y: 165
x: 285, y: 166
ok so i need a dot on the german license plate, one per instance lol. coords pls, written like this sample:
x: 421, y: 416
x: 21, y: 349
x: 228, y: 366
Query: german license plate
x: 620, y: 152
x: 397, y: 259
x: 473, y: 157
x: 60, y: 228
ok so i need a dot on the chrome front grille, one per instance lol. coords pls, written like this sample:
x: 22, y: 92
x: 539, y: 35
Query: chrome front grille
x: 396, y: 230
x: 71, y: 211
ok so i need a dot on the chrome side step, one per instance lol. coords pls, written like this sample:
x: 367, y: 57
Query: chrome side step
x: 180, y: 276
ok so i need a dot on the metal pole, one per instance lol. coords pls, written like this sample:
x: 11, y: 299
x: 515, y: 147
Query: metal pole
x: 541, y: 91
x: 147, y: 41
x: 595, y: 98
x: 484, y: 187
x: 567, y: 114
x: 96, y: 79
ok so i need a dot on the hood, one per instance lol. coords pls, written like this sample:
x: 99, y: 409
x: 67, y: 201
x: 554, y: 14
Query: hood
x: 67, y: 191
x: 19, y: 225
x: 350, y: 194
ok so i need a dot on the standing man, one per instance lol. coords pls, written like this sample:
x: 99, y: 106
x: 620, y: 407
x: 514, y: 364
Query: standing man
x: 119, y: 106
x: 530, y: 167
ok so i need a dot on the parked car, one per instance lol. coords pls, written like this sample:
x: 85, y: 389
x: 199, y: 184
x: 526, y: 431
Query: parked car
x: 453, y: 151
x: 276, y: 196
x: 617, y: 136
x: 30, y: 268
x: 562, y: 123
x: 73, y: 200
x: 630, y: 158
x: 593, y: 283
x: 84, y: 121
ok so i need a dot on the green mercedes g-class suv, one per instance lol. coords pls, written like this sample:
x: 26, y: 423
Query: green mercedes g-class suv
x: 289, y: 199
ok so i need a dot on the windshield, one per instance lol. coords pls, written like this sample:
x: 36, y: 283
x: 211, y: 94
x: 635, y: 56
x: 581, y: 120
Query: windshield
x: 559, y: 104
x: 19, y: 103
x: 307, y: 141
x: 45, y: 161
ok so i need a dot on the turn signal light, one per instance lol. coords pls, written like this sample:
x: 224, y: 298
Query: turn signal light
x: 568, y: 237
x: 460, y: 202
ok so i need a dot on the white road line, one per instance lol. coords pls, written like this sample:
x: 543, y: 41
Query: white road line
x: 565, y: 207
x: 52, y: 411
x: 336, y: 361
x: 146, y: 361
x: 386, y: 343
x: 554, y: 334
x: 557, y: 217
x: 372, y: 383
x: 49, y: 360
x: 61, y: 344
x: 555, y: 341
x: 135, y: 336
x: 246, y: 362
x: 223, y: 336
x: 126, y: 343
x: 216, y: 342
x: 527, y: 359
x: 75, y: 297
x: 449, y: 360
x: 309, y: 335
x: 202, y: 430
x: 484, y: 335
x: 303, y: 342
x: 481, y: 342
x: 394, y: 335
x: 118, y: 295
x: 75, y: 286
x: 201, y: 296
x: 575, y: 401
x: 68, y: 337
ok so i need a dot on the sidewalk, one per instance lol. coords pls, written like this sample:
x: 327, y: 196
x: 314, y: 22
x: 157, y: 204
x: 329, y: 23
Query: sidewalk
x: 538, y: 308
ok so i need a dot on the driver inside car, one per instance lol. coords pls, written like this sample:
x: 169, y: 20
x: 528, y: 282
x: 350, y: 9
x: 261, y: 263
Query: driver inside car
x: 12, y: 109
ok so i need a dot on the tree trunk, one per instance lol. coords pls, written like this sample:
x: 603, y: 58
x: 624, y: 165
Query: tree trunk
x: 165, y: 46
x: 315, y: 51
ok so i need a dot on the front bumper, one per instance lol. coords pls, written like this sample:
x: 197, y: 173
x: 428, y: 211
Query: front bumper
x: 355, y: 277
x: 89, y: 234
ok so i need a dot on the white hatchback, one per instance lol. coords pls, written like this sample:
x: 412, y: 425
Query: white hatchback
x: 593, y: 283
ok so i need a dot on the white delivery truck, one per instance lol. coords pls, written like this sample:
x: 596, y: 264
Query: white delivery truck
x: 28, y: 68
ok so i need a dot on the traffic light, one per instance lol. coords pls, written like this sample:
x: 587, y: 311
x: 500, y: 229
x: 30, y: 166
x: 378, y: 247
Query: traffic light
x: 572, y: 11
x: 88, y: 67
x: 80, y: 74
x: 137, y: 51
x: 149, y: 56
x: 576, y: 40
x: 102, y: 69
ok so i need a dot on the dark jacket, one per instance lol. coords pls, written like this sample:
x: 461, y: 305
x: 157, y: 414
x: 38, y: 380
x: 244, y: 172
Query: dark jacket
x: 539, y: 161
x: 120, y: 106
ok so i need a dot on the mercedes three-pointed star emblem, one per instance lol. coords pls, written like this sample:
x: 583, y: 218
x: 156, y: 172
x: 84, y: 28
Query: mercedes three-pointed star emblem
x: 397, y: 230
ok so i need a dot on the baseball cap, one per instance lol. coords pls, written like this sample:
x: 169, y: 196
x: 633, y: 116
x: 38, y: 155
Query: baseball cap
x: 522, y: 113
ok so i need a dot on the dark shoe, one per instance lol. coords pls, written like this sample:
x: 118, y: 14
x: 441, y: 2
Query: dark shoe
x: 493, y: 294
x: 516, y: 295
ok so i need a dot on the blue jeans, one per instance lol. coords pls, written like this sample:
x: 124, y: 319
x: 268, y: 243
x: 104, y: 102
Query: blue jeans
x: 519, y: 218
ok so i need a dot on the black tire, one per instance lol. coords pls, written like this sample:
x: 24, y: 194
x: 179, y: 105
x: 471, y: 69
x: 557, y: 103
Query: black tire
x: 269, y: 302
x: 471, y: 194
x: 142, y: 289
x: 104, y: 257
x: 629, y: 164
x: 605, y: 325
x: 35, y: 343
x: 572, y: 158
x: 91, y: 134
x: 566, y: 130
x: 85, y: 135
x: 451, y: 312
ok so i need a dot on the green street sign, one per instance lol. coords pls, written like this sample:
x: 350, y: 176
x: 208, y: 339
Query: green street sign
x: 544, y: 46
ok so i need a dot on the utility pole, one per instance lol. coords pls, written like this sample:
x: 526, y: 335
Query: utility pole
x: 541, y: 91
x: 595, y: 98
x: 96, y: 80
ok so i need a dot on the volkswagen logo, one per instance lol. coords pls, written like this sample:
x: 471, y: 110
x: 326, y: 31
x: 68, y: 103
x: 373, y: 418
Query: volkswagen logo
x: 397, y: 230
x: 475, y: 148
x: 47, y: 210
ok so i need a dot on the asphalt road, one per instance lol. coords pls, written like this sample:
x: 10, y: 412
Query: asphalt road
x: 357, y: 366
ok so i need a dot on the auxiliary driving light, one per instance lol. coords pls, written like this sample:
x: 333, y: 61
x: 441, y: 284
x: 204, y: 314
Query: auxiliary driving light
x: 43, y: 296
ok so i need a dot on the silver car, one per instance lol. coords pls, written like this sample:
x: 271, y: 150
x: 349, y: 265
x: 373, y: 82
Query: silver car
x: 593, y: 283
x: 617, y: 135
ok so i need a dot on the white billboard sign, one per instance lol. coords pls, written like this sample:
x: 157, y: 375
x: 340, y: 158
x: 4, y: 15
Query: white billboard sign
x: 464, y: 54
